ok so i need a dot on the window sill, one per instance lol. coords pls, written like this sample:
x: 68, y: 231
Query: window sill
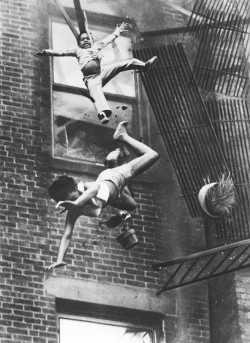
x: 75, y: 166
x: 92, y: 169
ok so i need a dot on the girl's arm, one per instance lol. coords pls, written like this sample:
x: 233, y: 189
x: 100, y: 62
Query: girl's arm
x: 71, y: 218
x: 51, y: 52
x: 119, y: 29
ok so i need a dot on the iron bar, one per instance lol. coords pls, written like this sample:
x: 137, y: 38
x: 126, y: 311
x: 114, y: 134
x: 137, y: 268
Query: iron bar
x: 204, y: 267
x: 172, y: 95
x: 203, y: 278
x: 187, y: 272
x: 243, y: 262
x: 161, y: 109
x: 222, y: 261
x: 175, y: 94
x: 239, y: 41
x: 236, y: 161
x: 174, y: 89
x: 236, y: 258
x: 216, y: 149
x: 233, y: 155
x: 185, y: 96
x: 158, y: 266
x: 174, y: 274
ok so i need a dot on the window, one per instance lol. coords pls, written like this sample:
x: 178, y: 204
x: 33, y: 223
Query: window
x: 77, y: 134
x: 73, y: 329
x: 84, y: 322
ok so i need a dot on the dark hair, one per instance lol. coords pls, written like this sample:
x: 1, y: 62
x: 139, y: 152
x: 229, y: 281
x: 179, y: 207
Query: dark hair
x: 60, y: 188
x: 79, y: 36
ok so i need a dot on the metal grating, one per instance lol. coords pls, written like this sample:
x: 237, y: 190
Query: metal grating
x: 223, y: 30
x: 205, y: 265
x: 229, y: 14
x: 231, y: 119
x: 183, y: 121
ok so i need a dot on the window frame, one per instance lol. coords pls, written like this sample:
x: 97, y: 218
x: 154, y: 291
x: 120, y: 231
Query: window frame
x: 109, y: 22
x: 107, y: 314
x: 107, y: 322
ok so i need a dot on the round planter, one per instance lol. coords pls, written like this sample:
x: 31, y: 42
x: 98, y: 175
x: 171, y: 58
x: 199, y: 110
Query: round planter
x: 202, y: 198
x: 128, y: 239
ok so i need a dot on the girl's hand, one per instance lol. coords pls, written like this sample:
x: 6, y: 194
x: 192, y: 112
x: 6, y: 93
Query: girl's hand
x: 121, y: 28
x: 40, y: 53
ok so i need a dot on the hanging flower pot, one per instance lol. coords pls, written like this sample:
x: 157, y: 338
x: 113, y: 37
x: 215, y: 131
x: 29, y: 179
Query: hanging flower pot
x: 128, y: 239
x: 217, y: 198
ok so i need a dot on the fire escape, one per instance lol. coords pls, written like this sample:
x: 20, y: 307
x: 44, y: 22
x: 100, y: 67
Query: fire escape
x: 203, y: 116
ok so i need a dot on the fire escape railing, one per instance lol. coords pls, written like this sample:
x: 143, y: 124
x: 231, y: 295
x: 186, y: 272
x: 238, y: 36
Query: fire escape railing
x: 205, y: 265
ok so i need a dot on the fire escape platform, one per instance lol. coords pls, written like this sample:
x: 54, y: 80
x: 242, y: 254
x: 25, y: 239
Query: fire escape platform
x: 204, y: 265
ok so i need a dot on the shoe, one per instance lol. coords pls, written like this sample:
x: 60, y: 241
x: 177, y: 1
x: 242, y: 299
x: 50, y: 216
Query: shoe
x: 150, y: 63
x: 103, y: 118
x: 125, y: 215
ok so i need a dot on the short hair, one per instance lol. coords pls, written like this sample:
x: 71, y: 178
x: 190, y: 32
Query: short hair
x: 79, y: 36
x: 60, y: 188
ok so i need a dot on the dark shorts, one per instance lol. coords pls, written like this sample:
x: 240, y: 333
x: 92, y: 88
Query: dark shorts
x: 93, y: 67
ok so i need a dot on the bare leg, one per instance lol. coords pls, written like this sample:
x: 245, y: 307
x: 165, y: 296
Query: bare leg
x: 126, y: 202
x: 147, y: 156
x: 110, y: 71
x: 113, y: 158
x: 116, y: 158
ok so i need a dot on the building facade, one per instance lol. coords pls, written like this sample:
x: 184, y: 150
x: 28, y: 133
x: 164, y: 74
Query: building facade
x: 104, y: 290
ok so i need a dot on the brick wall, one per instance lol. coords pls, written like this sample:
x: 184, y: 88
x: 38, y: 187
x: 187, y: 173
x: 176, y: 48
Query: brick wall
x: 243, y: 303
x: 224, y: 313
x: 191, y: 320
x: 31, y: 226
x: 229, y: 306
x: 25, y: 310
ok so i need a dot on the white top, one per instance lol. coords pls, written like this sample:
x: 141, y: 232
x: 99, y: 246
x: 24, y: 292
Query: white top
x: 103, y: 193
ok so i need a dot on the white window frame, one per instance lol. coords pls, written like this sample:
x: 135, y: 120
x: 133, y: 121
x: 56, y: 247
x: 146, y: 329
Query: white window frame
x: 85, y: 165
x: 107, y: 322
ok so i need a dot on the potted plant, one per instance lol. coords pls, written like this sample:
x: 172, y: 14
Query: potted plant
x: 217, y: 198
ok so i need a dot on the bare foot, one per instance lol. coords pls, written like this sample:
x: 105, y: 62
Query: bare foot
x: 121, y: 130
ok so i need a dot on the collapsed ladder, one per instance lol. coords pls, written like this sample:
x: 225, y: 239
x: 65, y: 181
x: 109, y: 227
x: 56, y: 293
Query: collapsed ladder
x: 220, y: 70
x: 205, y: 265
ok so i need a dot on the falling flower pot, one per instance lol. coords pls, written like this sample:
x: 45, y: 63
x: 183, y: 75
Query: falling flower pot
x: 202, y: 198
x: 128, y: 239
x: 217, y: 198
